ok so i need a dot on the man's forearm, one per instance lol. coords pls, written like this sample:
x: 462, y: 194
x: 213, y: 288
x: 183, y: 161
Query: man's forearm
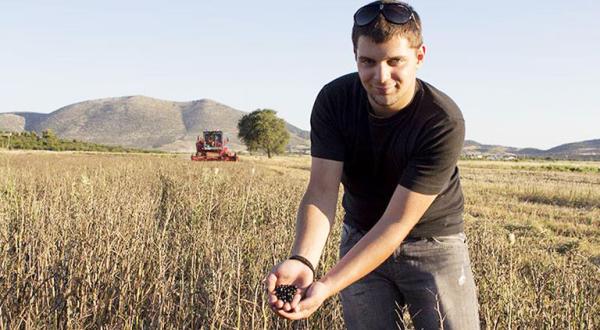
x: 314, y: 221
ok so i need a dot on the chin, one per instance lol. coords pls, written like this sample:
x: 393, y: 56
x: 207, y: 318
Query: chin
x: 385, y: 100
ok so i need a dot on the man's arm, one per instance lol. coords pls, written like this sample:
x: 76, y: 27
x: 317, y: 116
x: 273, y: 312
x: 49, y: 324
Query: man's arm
x: 316, y: 214
x: 402, y: 214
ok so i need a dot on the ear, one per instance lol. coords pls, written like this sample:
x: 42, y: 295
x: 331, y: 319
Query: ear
x: 421, y: 55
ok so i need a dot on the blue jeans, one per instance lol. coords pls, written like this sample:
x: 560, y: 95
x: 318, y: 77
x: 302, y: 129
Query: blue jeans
x: 431, y: 277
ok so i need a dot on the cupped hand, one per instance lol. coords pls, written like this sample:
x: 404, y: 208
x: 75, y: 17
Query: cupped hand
x: 315, y: 295
x: 288, y: 272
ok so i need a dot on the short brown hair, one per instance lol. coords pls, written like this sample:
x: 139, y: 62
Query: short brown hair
x: 380, y: 30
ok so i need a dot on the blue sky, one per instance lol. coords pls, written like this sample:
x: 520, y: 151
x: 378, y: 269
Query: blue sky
x: 524, y: 74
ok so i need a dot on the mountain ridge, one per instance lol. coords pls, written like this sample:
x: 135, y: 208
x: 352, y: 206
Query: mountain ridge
x: 582, y: 150
x: 141, y: 122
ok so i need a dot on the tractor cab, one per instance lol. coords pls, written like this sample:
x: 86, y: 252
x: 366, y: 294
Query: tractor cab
x: 212, y: 147
x: 213, y: 140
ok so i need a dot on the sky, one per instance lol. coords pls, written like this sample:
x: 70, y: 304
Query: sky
x: 525, y: 74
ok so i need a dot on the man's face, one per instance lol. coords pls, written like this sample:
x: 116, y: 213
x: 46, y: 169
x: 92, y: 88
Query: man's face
x: 388, y: 72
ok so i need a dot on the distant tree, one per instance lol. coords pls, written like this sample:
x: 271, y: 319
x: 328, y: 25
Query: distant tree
x: 50, y: 140
x: 263, y: 130
x: 49, y: 134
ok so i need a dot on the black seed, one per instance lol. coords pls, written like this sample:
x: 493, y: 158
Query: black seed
x: 285, y: 293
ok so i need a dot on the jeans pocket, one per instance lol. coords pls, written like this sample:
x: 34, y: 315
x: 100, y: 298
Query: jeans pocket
x: 450, y: 240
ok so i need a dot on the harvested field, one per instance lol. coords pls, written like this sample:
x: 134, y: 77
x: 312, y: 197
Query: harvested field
x: 157, y: 241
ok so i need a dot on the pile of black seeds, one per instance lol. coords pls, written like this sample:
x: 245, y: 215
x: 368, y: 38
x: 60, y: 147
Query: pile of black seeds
x: 285, y: 292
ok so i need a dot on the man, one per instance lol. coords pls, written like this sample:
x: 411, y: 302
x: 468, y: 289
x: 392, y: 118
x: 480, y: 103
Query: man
x: 393, y: 141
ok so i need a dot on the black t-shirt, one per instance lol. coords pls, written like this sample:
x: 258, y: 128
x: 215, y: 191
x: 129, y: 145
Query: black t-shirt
x: 418, y: 148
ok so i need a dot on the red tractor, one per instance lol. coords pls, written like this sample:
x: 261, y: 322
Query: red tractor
x: 212, y: 147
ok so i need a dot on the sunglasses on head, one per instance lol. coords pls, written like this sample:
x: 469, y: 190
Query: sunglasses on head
x: 397, y: 13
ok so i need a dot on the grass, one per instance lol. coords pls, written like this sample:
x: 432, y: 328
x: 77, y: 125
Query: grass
x: 149, y: 241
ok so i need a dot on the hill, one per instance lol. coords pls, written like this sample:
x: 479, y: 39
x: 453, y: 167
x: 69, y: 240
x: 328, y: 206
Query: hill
x: 139, y: 122
x: 12, y: 123
x: 584, y: 150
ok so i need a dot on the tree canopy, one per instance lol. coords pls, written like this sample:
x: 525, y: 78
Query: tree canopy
x: 263, y: 130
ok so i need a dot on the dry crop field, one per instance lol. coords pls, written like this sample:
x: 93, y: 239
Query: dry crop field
x: 156, y: 241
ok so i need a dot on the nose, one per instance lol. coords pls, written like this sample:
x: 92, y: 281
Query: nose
x: 382, y: 73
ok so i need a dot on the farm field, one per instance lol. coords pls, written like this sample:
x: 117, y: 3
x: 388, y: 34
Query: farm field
x: 157, y: 241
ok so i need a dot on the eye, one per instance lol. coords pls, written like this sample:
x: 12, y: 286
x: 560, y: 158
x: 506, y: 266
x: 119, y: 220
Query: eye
x: 395, y: 61
x: 366, y: 61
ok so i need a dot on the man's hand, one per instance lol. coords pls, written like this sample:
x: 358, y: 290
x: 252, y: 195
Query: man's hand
x: 316, y: 294
x: 288, y: 272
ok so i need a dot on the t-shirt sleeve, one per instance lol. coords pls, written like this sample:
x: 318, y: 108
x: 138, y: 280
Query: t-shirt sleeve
x: 326, y: 140
x: 435, y: 158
